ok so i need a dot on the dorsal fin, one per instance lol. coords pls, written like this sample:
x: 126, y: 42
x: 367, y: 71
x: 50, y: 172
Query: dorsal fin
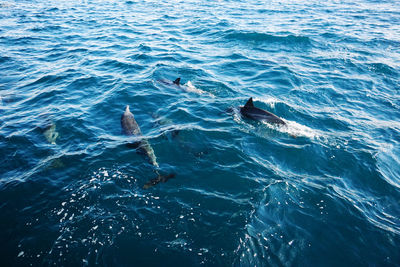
x: 177, y: 81
x: 249, y: 103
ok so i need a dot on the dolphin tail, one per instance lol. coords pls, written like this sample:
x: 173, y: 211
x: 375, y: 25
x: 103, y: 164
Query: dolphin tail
x: 158, y: 179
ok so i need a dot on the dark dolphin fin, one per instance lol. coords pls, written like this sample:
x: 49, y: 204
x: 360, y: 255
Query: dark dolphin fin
x: 177, y: 81
x: 157, y: 180
x: 249, y: 103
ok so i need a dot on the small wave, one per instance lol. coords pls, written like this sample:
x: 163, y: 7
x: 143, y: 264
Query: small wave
x: 52, y: 9
x: 144, y: 48
x: 24, y: 40
x: 122, y: 66
x: 49, y: 28
x: 4, y: 59
x: 388, y: 163
x: 377, y: 211
x: 381, y: 68
x: 46, y: 79
x: 78, y: 50
x: 269, y: 38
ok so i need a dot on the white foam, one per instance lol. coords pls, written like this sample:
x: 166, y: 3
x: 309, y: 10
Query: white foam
x: 270, y: 101
x: 294, y: 129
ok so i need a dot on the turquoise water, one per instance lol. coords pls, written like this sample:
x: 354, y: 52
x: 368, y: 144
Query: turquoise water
x: 245, y: 193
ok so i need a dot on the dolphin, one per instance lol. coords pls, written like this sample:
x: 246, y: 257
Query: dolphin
x: 143, y: 147
x: 177, y: 82
x: 50, y: 133
x: 251, y: 112
x: 188, y: 87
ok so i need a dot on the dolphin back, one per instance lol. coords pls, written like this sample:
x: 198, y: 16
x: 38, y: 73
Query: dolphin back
x: 254, y: 113
x: 128, y: 123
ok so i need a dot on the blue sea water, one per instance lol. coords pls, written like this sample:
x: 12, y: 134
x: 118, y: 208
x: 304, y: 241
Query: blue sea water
x: 322, y: 191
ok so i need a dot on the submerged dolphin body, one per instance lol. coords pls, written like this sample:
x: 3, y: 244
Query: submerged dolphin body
x: 50, y: 133
x: 251, y: 112
x: 143, y: 147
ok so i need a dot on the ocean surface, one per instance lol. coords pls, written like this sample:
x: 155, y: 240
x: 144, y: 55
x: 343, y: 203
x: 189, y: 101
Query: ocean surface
x: 324, y: 190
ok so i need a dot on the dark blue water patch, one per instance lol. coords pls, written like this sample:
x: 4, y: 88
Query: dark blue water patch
x: 52, y: 9
x: 22, y: 160
x: 50, y: 28
x: 381, y: 68
x: 144, y: 48
x: 46, y: 80
x: 80, y: 50
x: 271, y: 244
x: 23, y: 230
x: 384, y: 43
x: 273, y: 11
x: 5, y: 59
x: 267, y: 38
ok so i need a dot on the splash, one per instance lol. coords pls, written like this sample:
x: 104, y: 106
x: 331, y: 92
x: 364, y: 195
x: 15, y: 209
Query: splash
x: 294, y: 129
x: 270, y: 101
